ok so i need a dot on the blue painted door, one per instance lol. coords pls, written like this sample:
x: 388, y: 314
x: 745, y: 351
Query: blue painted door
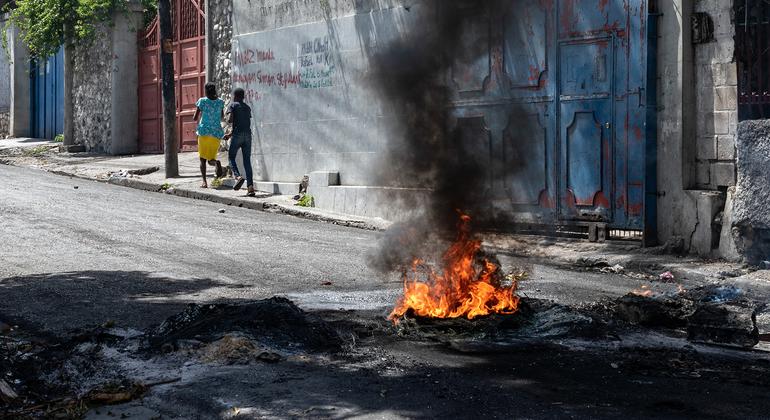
x: 553, y: 98
x: 48, y: 96
x: 601, y: 111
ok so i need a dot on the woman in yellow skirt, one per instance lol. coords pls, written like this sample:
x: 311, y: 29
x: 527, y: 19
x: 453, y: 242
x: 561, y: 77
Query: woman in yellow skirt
x: 210, y: 112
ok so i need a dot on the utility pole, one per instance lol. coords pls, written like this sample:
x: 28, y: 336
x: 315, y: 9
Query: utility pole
x: 169, y: 96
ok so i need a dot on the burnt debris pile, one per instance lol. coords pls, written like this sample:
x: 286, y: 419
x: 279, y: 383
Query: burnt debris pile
x: 710, y: 314
x: 277, y: 322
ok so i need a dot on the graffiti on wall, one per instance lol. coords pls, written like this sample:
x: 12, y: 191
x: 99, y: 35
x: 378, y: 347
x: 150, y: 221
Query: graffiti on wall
x: 310, y: 65
x: 316, y: 64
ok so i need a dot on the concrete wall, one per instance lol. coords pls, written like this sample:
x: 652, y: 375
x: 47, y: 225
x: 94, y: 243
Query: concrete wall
x: 5, y: 90
x: 19, y: 116
x: 333, y: 120
x: 746, y: 234
x: 717, y: 99
x: 696, y: 124
x: 5, y: 80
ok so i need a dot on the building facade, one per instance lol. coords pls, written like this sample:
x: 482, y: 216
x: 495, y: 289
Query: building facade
x: 610, y: 119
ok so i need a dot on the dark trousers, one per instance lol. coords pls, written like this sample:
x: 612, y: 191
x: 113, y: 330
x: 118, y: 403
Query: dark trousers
x: 242, y: 142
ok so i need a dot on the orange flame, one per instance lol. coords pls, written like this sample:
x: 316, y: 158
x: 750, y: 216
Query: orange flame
x: 645, y: 291
x: 466, y: 288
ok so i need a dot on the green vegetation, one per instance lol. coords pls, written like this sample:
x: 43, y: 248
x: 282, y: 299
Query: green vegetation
x: 46, y: 24
x: 166, y: 186
x: 217, y: 182
x: 306, y: 201
x: 36, y: 151
x: 59, y: 138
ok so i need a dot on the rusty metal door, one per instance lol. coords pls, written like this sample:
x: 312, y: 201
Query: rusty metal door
x: 556, y: 89
x: 188, y: 19
x: 601, y: 83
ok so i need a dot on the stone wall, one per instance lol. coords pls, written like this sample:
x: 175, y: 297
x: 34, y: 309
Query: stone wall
x: 716, y: 99
x: 221, y: 13
x: 5, y: 124
x: 5, y: 90
x: 5, y: 76
x: 92, y: 92
x: 748, y: 218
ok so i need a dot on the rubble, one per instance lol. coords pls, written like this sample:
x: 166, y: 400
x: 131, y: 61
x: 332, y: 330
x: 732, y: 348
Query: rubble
x: 654, y: 312
x: 6, y: 392
x: 233, y: 349
x: 276, y: 322
x: 731, y: 324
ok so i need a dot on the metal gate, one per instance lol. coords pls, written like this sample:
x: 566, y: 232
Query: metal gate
x: 558, y: 88
x: 752, y: 53
x: 47, y: 96
x: 188, y: 19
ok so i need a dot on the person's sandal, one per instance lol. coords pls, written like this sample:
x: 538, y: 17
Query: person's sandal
x: 238, y: 183
x: 251, y: 192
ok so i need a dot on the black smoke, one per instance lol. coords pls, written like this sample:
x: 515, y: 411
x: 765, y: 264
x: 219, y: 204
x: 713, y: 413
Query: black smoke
x: 413, y: 74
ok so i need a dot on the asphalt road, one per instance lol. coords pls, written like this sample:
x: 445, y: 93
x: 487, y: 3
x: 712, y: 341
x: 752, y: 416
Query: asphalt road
x: 77, y: 253
x: 134, y: 257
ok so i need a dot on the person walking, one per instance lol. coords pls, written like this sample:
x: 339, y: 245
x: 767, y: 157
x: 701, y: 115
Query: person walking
x: 239, y: 116
x: 210, y: 111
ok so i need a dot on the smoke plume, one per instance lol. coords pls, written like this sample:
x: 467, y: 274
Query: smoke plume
x: 414, y: 73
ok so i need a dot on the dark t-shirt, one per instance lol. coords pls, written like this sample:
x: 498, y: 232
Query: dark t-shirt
x: 241, y: 117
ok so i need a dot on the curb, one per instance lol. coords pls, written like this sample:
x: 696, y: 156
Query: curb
x: 252, y: 204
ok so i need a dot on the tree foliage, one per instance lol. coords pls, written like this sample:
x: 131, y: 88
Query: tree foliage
x: 44, y: 25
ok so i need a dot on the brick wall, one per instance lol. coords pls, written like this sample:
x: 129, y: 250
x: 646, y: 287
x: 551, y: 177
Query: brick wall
x: 716, y: 98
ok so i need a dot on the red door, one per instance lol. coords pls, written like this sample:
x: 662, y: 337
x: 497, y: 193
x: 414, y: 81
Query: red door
x: 188, y: 19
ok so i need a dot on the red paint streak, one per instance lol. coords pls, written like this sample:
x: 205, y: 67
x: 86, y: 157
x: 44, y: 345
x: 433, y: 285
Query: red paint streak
x: 638, y: 133
x: 603, y: 5
x: 569, y: 199
x: 635, y: 209
x: 601, y: 201
x: 534, y: 73
x: 545, y: 200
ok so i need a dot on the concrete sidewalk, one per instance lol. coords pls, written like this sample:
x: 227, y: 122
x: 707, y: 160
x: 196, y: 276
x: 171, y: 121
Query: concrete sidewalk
x: 146, y: 172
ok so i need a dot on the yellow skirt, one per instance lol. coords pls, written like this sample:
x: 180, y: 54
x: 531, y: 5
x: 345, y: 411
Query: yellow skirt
x: 208, y: 146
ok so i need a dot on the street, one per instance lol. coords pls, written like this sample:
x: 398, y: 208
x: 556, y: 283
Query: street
x: 78, y: 254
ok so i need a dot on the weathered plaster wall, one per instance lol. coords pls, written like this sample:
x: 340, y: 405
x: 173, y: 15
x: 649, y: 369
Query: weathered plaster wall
x: 105, y: 80
x: 5, y: 80
x: 331, y: 119
x: 696, y: 104
x: 20, y: 85
x: 5, y: 124
x: 676, y: 209
x: 92, y: 108
x: 717, y: 99
x: 749, y: 218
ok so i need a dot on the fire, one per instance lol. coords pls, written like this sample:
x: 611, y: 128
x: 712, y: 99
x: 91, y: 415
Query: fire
x: 467, y: 287
x: 644, y: 291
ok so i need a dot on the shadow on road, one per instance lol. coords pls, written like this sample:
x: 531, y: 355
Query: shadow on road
x: 59, y: 302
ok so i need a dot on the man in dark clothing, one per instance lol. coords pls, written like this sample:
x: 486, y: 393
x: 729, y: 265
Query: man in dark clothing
x: 239, y: 116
